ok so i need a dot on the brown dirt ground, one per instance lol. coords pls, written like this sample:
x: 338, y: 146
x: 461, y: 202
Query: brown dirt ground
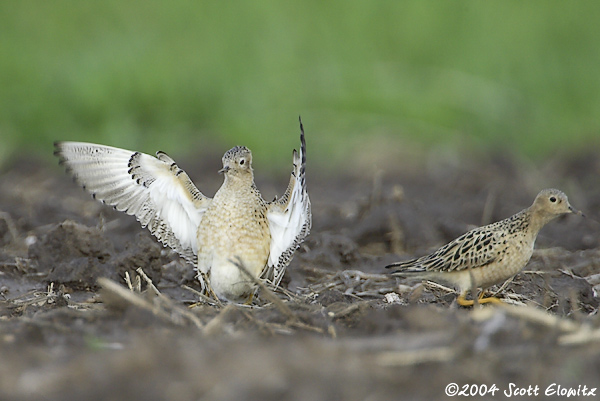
x: 338, y: 331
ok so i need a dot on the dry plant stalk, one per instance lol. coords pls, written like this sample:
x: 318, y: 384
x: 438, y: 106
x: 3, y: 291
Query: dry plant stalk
x: 584, y: 335
x: 164, y: 308
x: 415, y: 357
x: 270, y: 295
x: 541, y: 317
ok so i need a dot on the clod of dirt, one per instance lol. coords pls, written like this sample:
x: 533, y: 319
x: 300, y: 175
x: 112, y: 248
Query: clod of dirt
x: 180, y: 272
x: 328, y: 249
x: 572, y: 293
x: 73, y: 253
x: 329, y: 297
x: 144, y: 252
x: 77, y: 255
x: 79, y: 272
x: 395, y: 318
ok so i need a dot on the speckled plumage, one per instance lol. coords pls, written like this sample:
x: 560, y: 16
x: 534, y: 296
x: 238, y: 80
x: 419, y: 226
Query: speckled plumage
x: 237, y: 225
x: 234, y: 225
x: 490, y: 254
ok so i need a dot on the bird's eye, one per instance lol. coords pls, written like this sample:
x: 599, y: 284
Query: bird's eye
x: 552, y: 199
x: 242, y: 162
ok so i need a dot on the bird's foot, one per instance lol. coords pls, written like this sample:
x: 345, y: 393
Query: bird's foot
x: 249, y: 300
x: 462, y: 301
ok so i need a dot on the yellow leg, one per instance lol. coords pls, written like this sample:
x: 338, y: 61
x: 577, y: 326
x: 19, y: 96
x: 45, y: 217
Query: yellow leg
x: 487, y: 300
x: 462, y: 301
x: 249, y: 300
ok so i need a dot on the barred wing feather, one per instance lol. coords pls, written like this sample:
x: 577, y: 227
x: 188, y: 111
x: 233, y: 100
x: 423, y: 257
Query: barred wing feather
x: 289, y: 218
x: 476, y: 248
x: 153, y: 189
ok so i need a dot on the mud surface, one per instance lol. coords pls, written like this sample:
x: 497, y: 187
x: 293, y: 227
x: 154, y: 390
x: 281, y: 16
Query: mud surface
x: 342, y: 329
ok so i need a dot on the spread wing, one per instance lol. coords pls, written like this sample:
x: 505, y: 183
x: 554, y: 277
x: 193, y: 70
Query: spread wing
x: 476, y: 248
x: 289, y: 218
x: 153, y: 189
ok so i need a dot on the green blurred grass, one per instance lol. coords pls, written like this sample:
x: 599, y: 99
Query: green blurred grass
x: 521, y: 76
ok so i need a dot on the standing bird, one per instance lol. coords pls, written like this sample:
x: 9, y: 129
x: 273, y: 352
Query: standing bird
x: 236, y: 227
x: 490, y: 254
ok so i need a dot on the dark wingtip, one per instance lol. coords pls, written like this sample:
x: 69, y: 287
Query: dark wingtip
x: 302, y: 141
x: 134, y: 156
x: 57, y: 149
x: 301, y: 129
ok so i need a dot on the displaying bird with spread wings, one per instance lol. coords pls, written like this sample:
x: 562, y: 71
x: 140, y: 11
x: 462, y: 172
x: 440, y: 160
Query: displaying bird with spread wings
x: 236, y: 227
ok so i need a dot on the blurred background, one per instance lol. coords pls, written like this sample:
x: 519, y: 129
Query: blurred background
x: 372, y: 80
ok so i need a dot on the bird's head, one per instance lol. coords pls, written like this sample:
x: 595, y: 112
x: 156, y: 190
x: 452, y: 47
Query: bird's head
x: 237, y: 161
x: 552, y: 203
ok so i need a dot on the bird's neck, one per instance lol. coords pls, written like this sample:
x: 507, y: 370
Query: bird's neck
x: 538, y: 219
x: 239, y: 183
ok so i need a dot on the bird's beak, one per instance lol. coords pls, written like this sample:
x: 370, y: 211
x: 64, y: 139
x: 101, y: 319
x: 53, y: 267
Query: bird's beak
x: 224, y: 169
x: 575, y: 211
